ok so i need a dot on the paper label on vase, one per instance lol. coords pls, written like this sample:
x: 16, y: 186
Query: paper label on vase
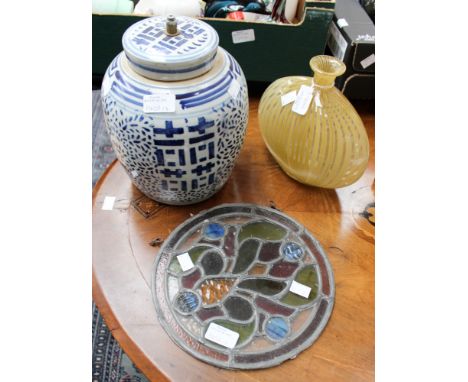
x: 300, y: 289
x: 302, y: 102
x: 368, y: 61
x: 342, y: 23
x: 185, y: 261
x: 288, y: 98
x: 221, y: 335
x: 108, y: 204
x: 245, y: 35
x: 159, y: 102
x: 134, y: 173
x: 336, y: 42
x: 234, y: 88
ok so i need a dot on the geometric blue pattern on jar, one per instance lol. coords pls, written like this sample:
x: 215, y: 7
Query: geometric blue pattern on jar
x: 292, y: 251
x: 187, y: 302
x: 214, y: 231
x: 276, y: 328
x: 182, y: 157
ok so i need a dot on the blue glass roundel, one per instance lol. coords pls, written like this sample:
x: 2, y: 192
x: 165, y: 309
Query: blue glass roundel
x: 292, y: 251
x: 187, y: 302
x: 276, y: 328
x: 214, y: 231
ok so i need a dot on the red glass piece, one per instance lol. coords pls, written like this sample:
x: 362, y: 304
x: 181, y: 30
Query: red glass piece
x: 283, y: 269
x: 205, y: 314
x: 273, y: 308
x: 229, y: 242
x: 269, y: 251
x: 188, y: 281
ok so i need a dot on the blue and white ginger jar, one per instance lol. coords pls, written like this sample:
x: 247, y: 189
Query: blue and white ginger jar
x: 183, y: 148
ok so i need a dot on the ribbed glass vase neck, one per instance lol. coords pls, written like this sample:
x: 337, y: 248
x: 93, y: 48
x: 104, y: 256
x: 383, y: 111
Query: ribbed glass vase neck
x: 326, y: 69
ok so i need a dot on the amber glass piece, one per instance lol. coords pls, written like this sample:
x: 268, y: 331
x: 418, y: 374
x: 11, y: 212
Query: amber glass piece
x: 246, y: 255
x: 258, y: 269
x: 214, y: 290
x: 261, y: 230
x: 328, y: 146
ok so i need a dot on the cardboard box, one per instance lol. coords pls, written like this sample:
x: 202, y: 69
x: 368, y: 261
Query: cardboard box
x: 278, y: 49
x: 352, y: 40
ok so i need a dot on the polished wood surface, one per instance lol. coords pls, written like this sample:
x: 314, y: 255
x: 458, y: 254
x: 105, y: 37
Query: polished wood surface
x: 125, y: 244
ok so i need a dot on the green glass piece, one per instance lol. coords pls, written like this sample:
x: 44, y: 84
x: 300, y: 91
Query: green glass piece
x: 261, y: 230
x: 246, y: 255
x: 264, y: 286
x: 244, y: 330
x: 194, y: 254
x: 306, y: 276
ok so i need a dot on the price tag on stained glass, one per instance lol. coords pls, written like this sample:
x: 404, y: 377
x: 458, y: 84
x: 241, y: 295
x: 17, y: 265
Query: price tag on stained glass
x: 185, y: 261
x: 221, y: 335
x: 300, y: 289
x: 159, y: 102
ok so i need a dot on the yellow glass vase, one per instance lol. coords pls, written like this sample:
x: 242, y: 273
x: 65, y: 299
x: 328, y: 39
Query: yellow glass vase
x: 328, y: 145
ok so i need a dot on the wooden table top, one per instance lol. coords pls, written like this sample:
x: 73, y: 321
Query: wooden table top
x: 342, y: 221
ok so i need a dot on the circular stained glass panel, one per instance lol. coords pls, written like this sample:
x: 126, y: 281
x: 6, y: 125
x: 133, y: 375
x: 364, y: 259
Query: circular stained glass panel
x: 243, y: 287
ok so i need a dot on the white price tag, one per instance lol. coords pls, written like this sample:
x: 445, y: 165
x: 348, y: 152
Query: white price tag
x: 342, y: 23
x: 234, y: 88
x: 245, y: 35
x: 159, y: 102
x: 185, y: 261
x: 368, y: 61
x: 288, y: 98
x: 135, y: 173
x: 302, y: 102
x: 108, y: 204
x: 300, y: 289
x: 221, y: 335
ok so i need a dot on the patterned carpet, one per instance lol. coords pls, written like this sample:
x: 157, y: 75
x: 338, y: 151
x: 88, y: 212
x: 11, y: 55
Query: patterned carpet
x: 110, y: 363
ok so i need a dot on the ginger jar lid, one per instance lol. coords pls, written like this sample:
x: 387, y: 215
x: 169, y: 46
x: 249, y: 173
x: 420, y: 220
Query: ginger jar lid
x: 170, y: 48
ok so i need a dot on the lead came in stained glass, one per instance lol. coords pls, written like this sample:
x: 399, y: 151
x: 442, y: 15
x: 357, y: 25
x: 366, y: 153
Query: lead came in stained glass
x: 245, y: 261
